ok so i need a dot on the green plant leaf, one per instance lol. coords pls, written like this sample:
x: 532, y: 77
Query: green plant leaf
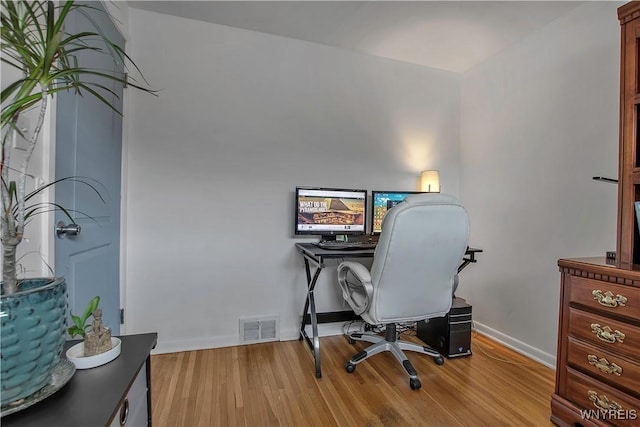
x: 91, y: 307
x: 74, y: 330
x: 80, y: 323
x: 77, y: 321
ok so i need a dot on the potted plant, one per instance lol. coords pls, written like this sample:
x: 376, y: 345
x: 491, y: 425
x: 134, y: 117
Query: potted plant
x: 35, y: 43
x: 98, y: 346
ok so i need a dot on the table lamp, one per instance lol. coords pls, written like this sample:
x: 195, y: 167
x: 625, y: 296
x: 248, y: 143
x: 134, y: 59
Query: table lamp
x: 430, y: 181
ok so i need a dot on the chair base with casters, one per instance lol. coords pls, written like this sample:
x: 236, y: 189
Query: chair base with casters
x: 390, y: 343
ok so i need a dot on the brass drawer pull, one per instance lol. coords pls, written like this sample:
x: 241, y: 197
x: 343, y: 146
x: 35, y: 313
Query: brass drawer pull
x: 608, y: 300
x: 602, y: 402
x: 604, y: 365
x: 606, y: 334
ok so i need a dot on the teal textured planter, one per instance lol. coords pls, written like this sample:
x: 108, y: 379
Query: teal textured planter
x: 32, y: 336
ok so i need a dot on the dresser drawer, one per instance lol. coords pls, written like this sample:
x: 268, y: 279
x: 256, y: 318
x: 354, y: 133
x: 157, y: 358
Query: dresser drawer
x: 618, y: 371
x: 134, y: 412
x: 606, y: 333
x: 609, y: 404
x: 608, y: 297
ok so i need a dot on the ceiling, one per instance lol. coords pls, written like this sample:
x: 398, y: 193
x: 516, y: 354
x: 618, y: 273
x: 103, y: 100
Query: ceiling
x: 449, y: 35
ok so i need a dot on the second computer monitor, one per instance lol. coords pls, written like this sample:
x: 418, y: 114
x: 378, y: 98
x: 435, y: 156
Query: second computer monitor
x: 381, y: 202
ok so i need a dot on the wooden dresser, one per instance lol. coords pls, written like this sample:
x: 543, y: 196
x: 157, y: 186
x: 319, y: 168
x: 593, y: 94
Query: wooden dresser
x: 598, y: 364
x: 598, y: 360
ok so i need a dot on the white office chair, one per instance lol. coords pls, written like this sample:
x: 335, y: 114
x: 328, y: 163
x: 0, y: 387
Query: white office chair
x: 412, y: 277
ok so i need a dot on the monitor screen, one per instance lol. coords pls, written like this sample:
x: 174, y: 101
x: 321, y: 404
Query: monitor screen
x: 381, y: 202
x: 330, y: 211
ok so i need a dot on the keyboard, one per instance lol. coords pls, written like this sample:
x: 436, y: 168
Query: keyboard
x: 345, y: 246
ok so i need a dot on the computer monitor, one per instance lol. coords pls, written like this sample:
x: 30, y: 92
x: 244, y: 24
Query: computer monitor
x: 381, y: 202
x: 329, y: 212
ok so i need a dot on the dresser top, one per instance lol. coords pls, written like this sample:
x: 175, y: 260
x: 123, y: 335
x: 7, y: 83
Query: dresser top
x: 628, y: 11
x: 92, y: 396
x: 598, y: 268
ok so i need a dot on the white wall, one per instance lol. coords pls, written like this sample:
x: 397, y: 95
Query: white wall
x: 212, y: 163
x: 538, y: 122
x: 119, y: 13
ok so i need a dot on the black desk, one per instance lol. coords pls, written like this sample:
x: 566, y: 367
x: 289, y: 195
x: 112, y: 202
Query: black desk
x: 93, y: 397
x: 317, y: 256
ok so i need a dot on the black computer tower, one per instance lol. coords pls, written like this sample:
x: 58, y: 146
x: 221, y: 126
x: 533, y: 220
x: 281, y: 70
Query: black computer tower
x: 451, y: 334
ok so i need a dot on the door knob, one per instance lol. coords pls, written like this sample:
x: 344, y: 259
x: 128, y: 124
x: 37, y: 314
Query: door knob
x: 67, y: 230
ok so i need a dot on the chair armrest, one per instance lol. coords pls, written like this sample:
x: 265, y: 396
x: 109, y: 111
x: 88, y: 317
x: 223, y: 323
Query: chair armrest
x: 357, y: 293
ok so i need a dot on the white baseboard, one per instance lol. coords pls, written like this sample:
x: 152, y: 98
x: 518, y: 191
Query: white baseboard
x: 324, y: 330
x: 533, y: 353
x: 290, y: 334
x: 195, y: 344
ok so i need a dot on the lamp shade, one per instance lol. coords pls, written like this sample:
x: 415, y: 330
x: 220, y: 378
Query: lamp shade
x: 430, y: 181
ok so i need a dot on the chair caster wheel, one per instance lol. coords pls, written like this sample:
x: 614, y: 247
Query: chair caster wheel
x: 351, y: 340
x: 439, y: 360
x: 350, y: 367
x: 415, y: 384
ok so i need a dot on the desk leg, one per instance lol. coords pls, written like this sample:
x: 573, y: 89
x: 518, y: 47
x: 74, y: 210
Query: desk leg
x: 314, y: 330
x: 306, y: 303
x: 310, y: 305
x: 148, y: 368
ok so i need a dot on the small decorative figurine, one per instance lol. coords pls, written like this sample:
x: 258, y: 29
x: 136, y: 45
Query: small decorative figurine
x: 98, y: 340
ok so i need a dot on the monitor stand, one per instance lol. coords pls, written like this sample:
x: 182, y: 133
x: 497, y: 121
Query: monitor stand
x: 369, y: 238
x: 334, y: 237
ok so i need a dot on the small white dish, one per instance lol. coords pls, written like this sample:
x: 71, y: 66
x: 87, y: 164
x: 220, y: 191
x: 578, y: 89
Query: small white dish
x: 76, y: 355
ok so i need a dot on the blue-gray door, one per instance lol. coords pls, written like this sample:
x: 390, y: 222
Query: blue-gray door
x: 89, y: 144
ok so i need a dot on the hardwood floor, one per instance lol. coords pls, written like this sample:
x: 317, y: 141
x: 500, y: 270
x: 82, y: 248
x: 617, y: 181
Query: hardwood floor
x: 273, y: 384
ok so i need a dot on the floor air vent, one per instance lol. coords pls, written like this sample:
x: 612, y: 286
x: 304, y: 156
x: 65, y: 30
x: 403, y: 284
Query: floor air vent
x: 259, y: 329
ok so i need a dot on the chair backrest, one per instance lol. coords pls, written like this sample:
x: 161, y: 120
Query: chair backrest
x: 416, y: 261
